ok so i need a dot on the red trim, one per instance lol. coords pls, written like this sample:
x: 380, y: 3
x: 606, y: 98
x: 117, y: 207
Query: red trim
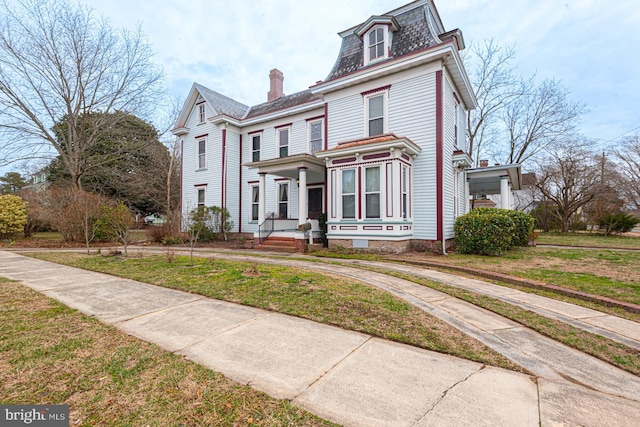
x: 201, y: 136
x: 376, y: 156
x: 283, y: 126
x: 439, y: 157
x: 389, y: 168
x: 240, y: 189
x: 253, y: 182
x: 255, y: 131
x: 282, y: 179
x: 456, y: 98
x: 181, y: 174
x: 341, y: 161
x: 223, y: 197
x: 200, y: 185
x: 201, y: 102
x: 359, y: 198
x: 315, y: 118
x: 380, y: 89
x: 326, y: 126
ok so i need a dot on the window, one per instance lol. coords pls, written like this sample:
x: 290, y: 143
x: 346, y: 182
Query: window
x: 200, y: 193
x: 202, y: 154
x: 255, y: 201
x: 375, y: 114
x: 376, y: 43
x: 201, y: 113
x: 455, y: 124
x: 372, y: 192
x: 405, y: 197
x: 349, y: 193
x: 315, y: 136
x: 283, y: 142
x: 283, y: 200
x: 255, y: 147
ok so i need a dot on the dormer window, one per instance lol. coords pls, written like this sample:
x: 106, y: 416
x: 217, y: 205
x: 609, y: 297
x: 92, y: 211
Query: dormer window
x: 376, y: 43
x: 376, y: 35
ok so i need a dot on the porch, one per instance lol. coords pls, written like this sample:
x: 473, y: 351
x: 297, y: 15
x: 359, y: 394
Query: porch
x: 309, y: 175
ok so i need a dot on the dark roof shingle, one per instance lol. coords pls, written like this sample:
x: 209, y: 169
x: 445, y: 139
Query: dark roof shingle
x: 413, y: 35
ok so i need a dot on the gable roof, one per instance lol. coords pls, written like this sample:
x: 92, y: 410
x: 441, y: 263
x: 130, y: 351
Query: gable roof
x: 220, y: 104
x: 282, y: 103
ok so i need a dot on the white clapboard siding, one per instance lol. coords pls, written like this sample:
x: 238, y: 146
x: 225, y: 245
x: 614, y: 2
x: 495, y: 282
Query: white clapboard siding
x: 346, y: 119
x: 233, y: 178
x: 412, y: 114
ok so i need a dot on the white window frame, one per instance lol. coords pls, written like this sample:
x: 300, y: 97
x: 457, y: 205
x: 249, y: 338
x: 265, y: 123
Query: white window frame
x: 371, y: 193
x: 279, y: 202
x: 201, y: 113
x: 253, y: 150
x: 199, y: 190
x: 310, y: 123
x: 256, y: 204
x: 279, y: 147
x: 386, y: 42
x: 201, y: 158
x: 354, y: 195
x: 385, y: 111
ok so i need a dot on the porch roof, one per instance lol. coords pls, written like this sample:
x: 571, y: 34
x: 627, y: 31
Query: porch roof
x: 486, y: 180
x: 289, y: 166
x: 374, y: 143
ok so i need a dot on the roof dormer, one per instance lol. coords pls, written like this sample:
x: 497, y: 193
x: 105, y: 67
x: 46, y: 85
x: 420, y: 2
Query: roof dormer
x: 376, y: 35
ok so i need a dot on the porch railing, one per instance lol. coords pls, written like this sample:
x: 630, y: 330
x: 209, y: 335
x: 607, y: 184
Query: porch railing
x: 266, y: 228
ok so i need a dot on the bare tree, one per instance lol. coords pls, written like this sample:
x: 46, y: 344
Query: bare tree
x: 568, y: 178
x: 59, y: 63
x: 537, y: 118
x: 628, y: 160
x: 496, y: 84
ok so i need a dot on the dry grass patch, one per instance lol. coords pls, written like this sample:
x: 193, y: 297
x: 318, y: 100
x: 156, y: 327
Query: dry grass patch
x: 52, y: 354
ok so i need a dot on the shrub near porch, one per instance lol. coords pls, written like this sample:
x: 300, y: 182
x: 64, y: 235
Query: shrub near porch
x: 491, y: 231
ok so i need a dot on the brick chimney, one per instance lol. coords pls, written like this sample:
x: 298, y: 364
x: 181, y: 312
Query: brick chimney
x: 275, y: 85
x: 484, y: 163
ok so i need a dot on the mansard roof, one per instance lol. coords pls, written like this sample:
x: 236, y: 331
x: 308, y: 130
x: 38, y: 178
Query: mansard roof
x: 417, y: 29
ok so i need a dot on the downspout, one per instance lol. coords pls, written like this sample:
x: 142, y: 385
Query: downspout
x: 439, y: 161
x: 223, y: 196
x: 240, y: 189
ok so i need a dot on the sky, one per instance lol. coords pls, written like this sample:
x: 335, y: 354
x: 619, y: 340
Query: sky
x: 230, y: 45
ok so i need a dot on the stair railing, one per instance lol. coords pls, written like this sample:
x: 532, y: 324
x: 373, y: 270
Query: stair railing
x: 266, y: 228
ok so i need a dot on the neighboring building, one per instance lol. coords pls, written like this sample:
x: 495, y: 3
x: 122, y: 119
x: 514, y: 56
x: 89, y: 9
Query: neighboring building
x: 379, y: 145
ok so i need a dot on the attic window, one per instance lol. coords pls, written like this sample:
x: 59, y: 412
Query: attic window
x: 201, y: 113
x: 376, y: 43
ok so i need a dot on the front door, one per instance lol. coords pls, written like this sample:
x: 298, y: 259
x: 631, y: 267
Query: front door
x: 315, y: 201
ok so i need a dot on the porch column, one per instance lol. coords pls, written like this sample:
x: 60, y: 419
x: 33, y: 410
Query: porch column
x: 303, y: 208
x: 261, y: 198
x: 467, y: 195
x: 504, y: 192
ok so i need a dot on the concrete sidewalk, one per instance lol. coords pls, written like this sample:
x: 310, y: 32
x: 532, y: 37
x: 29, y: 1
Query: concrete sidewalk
x: 347, y: 377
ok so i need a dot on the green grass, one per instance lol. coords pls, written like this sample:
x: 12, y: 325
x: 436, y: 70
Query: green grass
x: 333, y: 300
x: 598, y: 346
x: 589, y: 240
x: 52, y: 354
x: 608, y: 273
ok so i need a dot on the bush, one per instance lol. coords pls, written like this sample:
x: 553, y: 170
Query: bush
x: 618, y: 223
x: 491, y: 231
x: 210, y: 223
x: 13, y: 215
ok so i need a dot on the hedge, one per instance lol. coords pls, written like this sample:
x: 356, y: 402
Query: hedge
x: 491, y: 231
